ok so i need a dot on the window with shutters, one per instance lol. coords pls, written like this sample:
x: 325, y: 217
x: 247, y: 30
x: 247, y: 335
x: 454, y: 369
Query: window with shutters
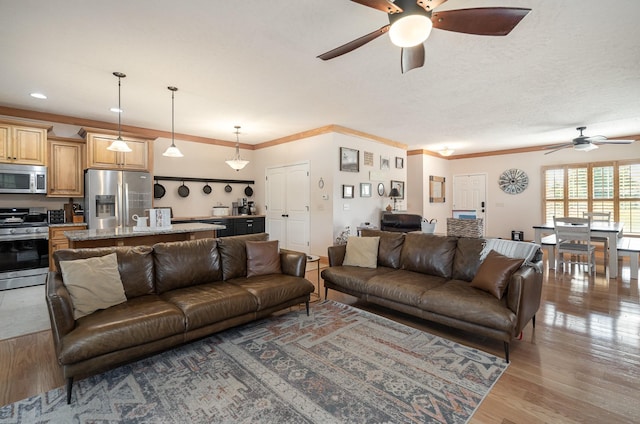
x: 570, y: 190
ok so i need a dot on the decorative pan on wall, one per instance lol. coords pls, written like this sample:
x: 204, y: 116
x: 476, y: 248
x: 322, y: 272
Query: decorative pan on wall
x: 183, y: 190
x: 158, y: 191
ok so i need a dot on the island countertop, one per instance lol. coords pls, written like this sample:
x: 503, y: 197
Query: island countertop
x: 126, y: 236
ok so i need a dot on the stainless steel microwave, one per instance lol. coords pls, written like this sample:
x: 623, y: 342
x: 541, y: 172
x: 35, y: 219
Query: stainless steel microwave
x: 23, y: 179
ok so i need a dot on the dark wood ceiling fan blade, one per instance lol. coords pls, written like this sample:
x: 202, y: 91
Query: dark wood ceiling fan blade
x: 412, y: 57
x: 352, y: 45
x: 480, y: 21
x: 429, y: 5
x: 383, y: 5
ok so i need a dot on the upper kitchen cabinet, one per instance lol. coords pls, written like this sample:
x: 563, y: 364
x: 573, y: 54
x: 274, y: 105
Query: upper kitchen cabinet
x: 66, y: 167
x: 23, y: 144
x: 98, y: 157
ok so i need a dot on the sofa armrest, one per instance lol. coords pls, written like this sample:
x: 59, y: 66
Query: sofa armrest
x: 336, y: 254
x: 60, y: 307
x: 293, y: 262
x: 524, y: 294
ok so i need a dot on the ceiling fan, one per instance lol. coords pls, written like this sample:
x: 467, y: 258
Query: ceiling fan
x: 585, y: 143
x: 411, y: 21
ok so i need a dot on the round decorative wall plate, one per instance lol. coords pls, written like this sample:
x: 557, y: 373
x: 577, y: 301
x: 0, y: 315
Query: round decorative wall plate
x: 513, y: 181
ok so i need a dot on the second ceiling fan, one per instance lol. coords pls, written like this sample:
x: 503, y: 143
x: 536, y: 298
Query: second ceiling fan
x: 411, y: 21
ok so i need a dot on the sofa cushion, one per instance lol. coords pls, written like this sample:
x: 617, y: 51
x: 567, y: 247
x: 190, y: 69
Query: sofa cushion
x: 263, y: 258
x: 467, y: 258
x: 186, y: 263
x: 207, y: 304
x: 457, y: 299
x: 270, y: 291
x: 233, y: 254
x: 389, y: 248
x: 403, y: 286
x: 494, y: 273
x: 428, y: 254
x: 353, y: 278
x: 135, y: 264
x: 132, y: 323
x: 93, y: 283
x: 362, y: 252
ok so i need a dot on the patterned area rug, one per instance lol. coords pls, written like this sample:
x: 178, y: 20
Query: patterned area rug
x: 341, y: 364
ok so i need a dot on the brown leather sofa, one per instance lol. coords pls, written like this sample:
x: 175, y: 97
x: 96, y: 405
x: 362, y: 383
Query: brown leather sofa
x: 176, y: 292
x: 429, y: 276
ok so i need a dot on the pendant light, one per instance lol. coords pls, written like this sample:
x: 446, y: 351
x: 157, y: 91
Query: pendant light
x: 237, y: 163
x: 119, y: 145
x: 172, y: 151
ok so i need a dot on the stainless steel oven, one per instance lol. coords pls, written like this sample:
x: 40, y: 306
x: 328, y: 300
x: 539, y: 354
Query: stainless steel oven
x: 24, y: 248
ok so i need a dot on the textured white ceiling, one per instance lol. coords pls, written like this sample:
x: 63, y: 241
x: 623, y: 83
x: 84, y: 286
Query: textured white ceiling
x: 253, y: 63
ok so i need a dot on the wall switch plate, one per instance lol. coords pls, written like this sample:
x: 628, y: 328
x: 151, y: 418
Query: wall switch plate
x: 346, y: 207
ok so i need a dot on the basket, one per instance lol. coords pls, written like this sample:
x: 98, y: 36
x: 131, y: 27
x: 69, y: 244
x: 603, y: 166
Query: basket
x: 472, y: 228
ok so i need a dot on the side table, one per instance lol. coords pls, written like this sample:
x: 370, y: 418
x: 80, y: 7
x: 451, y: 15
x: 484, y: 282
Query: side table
x: 315, y: 259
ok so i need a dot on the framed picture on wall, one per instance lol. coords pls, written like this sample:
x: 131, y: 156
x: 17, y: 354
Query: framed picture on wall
x: 399, y: 162
x: 349, y: 160
x: 347, y: 191
x: 384, y: 163
x: 365, y: 189
x: 400, y: 186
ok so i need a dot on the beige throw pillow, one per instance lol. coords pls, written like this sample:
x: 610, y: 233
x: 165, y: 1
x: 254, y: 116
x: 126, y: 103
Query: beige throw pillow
x: 362, y: 252
x: 93, y: 283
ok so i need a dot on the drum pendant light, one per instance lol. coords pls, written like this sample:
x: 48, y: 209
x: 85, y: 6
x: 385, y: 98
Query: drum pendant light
x: 237, y: 163
x: 172, y: 151
x: 119, y: 145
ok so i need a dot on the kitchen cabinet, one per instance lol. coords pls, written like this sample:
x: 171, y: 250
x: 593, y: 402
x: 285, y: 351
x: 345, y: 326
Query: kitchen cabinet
x: 23, y: 144
x: 249, y: 225
x: 57, y: 239
x: 66, y: 165
x: 98, y: 157
x: 235, y: 225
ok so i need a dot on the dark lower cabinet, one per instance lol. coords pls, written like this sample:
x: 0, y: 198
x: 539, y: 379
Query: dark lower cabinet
x: 235, y: 226
x: 249, y: 225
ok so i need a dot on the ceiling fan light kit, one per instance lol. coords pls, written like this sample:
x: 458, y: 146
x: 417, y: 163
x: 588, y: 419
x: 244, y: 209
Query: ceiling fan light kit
x: 411, y: 21
x: 584, y: 143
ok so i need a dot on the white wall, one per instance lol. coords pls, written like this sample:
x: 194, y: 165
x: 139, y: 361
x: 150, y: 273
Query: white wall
x: 521, y: 212
x: 420, y: 168
x: 201, y: 161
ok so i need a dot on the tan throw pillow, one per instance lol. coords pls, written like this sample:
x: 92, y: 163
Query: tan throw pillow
x: 362, y: 252
x: 93, y: 283
x: 494, y: 273
x: 263, y: 258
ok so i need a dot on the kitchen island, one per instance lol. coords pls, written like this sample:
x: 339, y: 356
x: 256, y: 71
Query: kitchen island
x: 126, y: 236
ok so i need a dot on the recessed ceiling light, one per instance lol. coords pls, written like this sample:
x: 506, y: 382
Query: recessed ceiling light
x: 38, y: 96
x: 116, y: 110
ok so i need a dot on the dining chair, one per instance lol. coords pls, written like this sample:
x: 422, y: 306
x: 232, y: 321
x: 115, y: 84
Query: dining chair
x: 573, y: 236
x: 600, y: 217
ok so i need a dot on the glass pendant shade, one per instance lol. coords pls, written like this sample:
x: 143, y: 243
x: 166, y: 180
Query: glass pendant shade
x: 410, y: 30
x: 172, y: 151
x: 585, y: 147
x: 237, y: 163
x: 119, y: 145
x: 446, y: 151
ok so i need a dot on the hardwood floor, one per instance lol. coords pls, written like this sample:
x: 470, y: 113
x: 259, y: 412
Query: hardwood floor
x: 581, y: 364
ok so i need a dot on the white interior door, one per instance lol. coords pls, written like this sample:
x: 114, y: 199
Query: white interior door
x: 288, y: 206
x: 470, y: 193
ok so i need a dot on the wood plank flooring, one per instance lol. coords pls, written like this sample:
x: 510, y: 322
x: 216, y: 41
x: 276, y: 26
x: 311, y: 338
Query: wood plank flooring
x: 581, y: 364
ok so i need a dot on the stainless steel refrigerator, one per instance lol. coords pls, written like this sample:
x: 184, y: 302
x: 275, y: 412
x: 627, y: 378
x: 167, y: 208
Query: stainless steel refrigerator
x: 111, y: 198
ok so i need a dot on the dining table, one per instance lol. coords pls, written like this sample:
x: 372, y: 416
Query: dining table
x: 599, y: 229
